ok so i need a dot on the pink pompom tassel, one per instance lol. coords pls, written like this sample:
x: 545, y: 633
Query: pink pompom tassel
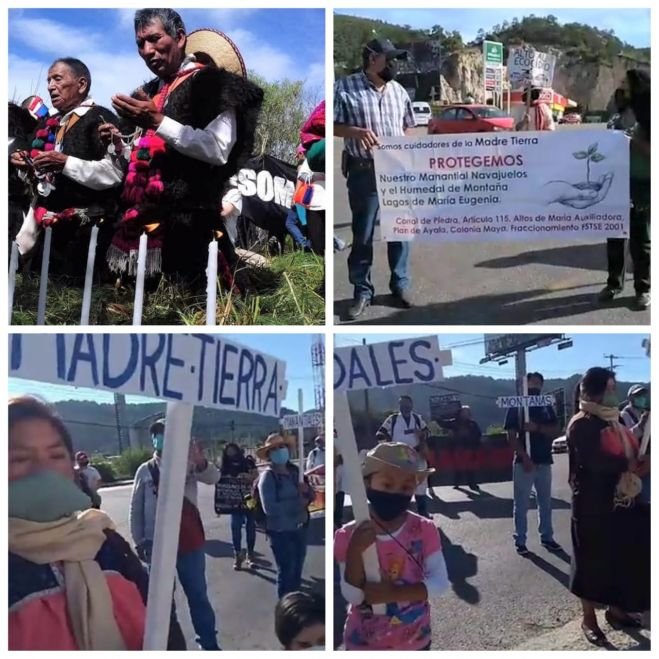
x: 48, y: 146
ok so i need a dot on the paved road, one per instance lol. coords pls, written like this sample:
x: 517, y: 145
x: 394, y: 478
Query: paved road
x: 498, y: 600
x: 480, y: 283
x: 244, y: 601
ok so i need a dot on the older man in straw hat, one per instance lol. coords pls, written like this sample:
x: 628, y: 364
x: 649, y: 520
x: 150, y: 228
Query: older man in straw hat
x: 195, y: 125
x: 285, y: 501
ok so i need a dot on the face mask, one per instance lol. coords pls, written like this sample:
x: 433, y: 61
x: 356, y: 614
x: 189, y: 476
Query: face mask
x: 388, y: 73
x: 316, y: 647
x: 640, y: 402
x: 45, y: 497
x: 534, y: 391
x: 158, y: 441
x: 610, y: 399
x: 388, y: 505
x: 279, y: 456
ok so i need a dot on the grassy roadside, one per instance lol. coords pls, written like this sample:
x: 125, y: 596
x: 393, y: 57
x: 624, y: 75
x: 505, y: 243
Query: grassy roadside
x: 288, y: 292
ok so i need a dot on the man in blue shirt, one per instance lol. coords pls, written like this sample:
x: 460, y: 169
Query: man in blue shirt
x: 532, y: 467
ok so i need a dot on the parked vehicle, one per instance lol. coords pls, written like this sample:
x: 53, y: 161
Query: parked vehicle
x: 470, y: 119
x: 559, y: 445
x: 422, y: 113
x: 571, y: 118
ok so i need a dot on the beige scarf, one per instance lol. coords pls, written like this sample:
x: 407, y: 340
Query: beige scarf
x: 75, y: 541
x: 629, y: 484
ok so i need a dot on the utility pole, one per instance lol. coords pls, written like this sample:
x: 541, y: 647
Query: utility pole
x: 612, y: 366
x: 233, y: 430
x: 120, y: 418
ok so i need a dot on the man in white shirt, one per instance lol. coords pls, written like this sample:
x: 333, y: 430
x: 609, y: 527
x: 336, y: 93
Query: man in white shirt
x: 198, y: 121
x: 88, y: 478
x: 408, y: 427
x: 316, y: 456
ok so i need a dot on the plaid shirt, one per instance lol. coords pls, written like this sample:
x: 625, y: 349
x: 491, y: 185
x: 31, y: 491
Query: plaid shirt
x: 388, y: 113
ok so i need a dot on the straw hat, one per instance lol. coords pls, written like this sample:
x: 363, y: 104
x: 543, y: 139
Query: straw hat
x: 219, y: 48
x: 397, y: 455
x: 273, y: 441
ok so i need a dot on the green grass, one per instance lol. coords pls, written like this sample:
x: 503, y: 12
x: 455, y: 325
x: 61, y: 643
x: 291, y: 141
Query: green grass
x: 288, y: 292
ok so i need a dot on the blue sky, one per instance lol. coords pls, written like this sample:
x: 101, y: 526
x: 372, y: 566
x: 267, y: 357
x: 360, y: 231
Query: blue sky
x: 294, y: 349
x: 630, y: 25
x: 269, y: 40
x: 588, y: 350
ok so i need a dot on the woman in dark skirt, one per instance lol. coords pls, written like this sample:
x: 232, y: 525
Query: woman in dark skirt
x: 610, y: 527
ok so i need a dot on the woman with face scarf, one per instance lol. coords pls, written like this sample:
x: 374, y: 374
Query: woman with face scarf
x: 610, y: 528
x: 633, y: 104
x: 74, y: 582
x: 285, y: 501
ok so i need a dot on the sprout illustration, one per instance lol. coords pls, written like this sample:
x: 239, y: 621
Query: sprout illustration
x: 589, y: 156
x: 583, y: 194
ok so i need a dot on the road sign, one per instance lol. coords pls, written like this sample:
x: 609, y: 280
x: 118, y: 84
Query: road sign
x: 444, y: 407
x: 527, y: 65
x: 501, y: 345
x: 492, y: 52
x: 493, y: 77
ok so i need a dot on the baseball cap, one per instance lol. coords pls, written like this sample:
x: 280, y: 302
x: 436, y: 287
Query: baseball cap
x: 636, y: 389
x: 394, y: 454
x: 384, y: 46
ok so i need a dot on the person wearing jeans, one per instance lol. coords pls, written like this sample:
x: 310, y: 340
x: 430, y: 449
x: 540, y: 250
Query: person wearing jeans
x: 369, y: 105
x: 532, y: 467
x: 285, y: 501
x: 235, y: 464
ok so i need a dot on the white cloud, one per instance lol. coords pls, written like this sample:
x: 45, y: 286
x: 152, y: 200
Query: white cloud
x: 50, y: 37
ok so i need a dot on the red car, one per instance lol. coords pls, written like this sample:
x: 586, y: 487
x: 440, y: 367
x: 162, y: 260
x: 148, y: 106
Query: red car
x: 470, y: 119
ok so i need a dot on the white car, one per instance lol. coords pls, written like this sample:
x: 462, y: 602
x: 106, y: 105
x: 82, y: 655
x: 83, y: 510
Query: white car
x: 559, y: 445
x: 422, y: 113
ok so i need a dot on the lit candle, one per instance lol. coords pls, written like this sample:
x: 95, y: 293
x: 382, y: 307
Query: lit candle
x: 89, y: 277
x: 13, y: 267
x: 139, y: 281
x: 43, y: 281
x: 211, y: 284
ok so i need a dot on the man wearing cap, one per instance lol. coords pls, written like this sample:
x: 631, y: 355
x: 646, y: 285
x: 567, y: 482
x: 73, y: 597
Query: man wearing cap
x: 636, y: 415
x: 316, y: 457
x: 191, y: 558
x: 194, y: 127
x: 369, y: 105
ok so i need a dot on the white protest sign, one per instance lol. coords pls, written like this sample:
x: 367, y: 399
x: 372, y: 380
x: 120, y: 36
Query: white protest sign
x: 408, y: 361
x: 527, y: 65
x: 504, y: 186
x: 308, y: 420
x: 199, y: 369
x: 525, y: 401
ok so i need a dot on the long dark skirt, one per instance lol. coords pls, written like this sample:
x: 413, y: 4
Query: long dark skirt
x: 611, y: 558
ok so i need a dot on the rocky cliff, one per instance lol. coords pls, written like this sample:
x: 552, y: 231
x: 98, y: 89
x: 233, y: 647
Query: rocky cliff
x: 590, y: 84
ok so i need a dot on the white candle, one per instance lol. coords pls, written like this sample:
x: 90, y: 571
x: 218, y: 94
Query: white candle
x: 139, y: 281
x: 43, y: 281
x: 211, y: 284
x: 89, y: 277
x: 353, y: 483
x: 13, y: 267
x: 300, y: 435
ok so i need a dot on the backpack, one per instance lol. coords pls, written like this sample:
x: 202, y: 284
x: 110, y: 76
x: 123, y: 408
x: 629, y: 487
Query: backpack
x: 191, y: 534
x: 256, y: 506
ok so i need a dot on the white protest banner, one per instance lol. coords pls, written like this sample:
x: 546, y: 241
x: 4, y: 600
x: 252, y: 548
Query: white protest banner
x: 527, y: 64
x: 504, y: 186
x: 199, y: 369
x: 525, y: 401
x: 408, y: 361
x: 308, y: 420
x: 388, y: 364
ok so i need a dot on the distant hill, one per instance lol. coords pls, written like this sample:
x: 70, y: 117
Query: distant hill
x: 94, y: 425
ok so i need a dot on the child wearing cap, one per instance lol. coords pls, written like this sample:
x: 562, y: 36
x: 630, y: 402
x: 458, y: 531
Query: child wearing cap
x: 412, y: 567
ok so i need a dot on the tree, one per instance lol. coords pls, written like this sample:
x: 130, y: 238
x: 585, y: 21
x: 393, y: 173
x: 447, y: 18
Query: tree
x: 282, y: 115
